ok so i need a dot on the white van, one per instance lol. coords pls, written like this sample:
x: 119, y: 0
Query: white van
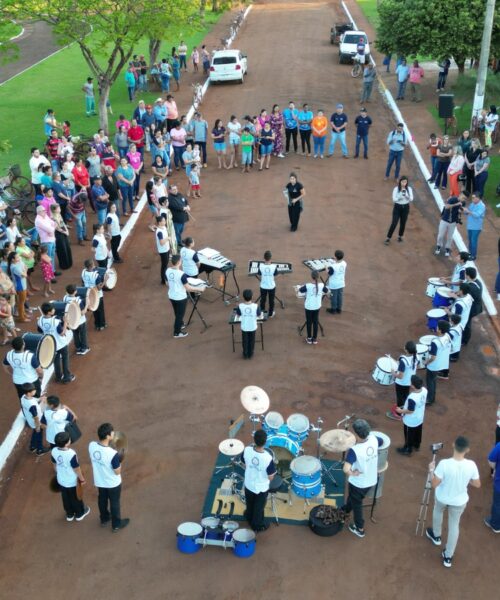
x: 228, y: 65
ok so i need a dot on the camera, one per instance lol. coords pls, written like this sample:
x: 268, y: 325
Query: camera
x: 436, y: 447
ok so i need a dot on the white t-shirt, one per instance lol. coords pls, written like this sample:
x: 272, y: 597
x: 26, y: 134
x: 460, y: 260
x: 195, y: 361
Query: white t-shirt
x: 258, y: 467
x: 267, y: 276
x: 455, y: 476
x: 234, y: 132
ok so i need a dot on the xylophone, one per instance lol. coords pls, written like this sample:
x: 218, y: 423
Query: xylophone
x: 319, y: 264
x: 234, y: 319
x: 212, y: 260
x: 283, y: 268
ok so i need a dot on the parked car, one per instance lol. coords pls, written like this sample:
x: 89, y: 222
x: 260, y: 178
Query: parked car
x: 337, y: 30
x: 228, y: 65
x: 348, y: 45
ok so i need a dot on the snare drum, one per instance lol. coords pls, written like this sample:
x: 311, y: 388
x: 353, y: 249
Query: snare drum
x: 70, y: 310
x: 211, y: 528
x: 435, y: 315
x: 187, y: 534
x: 272, y: 422
x: 443, y: 297
x: 306, y: 476
x: 422, y: 355
x: 229, y: 527
x: 298, y: 427
x: 244, y: 543
x: 382, y: 373
x: 283, y: 447
x: 42, y: 346
x: 432, y: 284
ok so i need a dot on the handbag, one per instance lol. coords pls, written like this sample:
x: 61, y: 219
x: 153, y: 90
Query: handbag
x: 74, y: 431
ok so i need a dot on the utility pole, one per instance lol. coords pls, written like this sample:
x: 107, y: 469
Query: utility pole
x: 482, y: 71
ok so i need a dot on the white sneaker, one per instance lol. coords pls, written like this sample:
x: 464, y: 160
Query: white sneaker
x: 281, y: 155
x: 87, y: 510
x: 315, y: 156
x: 182, y: 334
x: 437, y: 250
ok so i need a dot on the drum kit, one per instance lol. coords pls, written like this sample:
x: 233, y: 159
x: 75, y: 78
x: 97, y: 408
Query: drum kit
x: 299, y: 475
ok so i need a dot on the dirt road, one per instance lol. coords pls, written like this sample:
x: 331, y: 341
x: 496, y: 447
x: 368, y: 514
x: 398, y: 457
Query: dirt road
x: 174, y: 398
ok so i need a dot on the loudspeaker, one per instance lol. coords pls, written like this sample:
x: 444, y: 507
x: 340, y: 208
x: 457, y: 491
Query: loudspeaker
x: 446, y: 106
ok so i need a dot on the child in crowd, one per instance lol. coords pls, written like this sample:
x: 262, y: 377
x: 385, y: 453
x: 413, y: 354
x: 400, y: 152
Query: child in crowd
x: 194, y: 181
x: 7, y: 326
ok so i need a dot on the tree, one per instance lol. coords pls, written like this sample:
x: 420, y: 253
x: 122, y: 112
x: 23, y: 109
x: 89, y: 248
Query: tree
x: 106, y: 31
x: 434, y: 28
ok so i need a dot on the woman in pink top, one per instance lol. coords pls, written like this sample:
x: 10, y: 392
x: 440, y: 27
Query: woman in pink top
x: 135, y: 160
x: 46, y: 228
x: 416, y: 74
x: 122, y: 122
x: 48, y: 200
x: 173, y: 113
x: 263, y: 118
x: 178, y: 136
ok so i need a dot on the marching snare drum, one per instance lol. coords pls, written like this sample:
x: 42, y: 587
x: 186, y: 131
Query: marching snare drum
x: 70, y: 310
x: 426, y: 340
x: 433, y: 316
x: 43, y: 347
x: 382, y: 373
x: 298, y: 427
x: 443, y: 297
x: 272, y: 422
x: 283, y: 447
x: 383, y: 450
x: 422, y: 355
x: 89, y: 295
x: 109, y: 276
x: 187, y: 534
x: 432, y: 284
x: 306, y: 476
x: 244, y: 543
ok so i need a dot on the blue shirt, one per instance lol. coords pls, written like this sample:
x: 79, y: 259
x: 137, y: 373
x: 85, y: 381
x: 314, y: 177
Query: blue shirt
x: 396, y: 141
x: 305, y: 116
x: 98, y: 190
x: 290, y: 118
x: 363, y: 124
x: 160, y: 112
x: 494, y: 457
x: 402, y: 73
x: 339, y: 120
x: 200, y: 129
x: 476, y: 217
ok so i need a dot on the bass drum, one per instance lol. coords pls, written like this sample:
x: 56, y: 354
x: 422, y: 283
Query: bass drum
x: 43, y: 347
x: 70, y: 310
x: 89, y: 295
x: 110, y: 276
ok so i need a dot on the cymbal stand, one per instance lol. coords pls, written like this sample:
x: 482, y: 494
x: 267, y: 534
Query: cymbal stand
x: 317, y: 429
x: 255, y: 419
x: 424, y: 505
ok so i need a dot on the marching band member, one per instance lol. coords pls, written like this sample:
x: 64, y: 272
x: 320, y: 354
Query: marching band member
x: 361, y: 468
x: 31, y: 407
x: 336, y: 283
x: 80, y: 333
x: 190, y: 260
x: 476, y: 291
x: 456, y: 332
x: 24, y: 367
x: 163, y: 246
x: 114, y: 231
x: 312, y: 304
x: 439, y: 359
x: 413, y: 416
x: 267, y: 284
x: 90, y: 279
x: 49, y: 324
x: 248, y: 311
x: 55, y: 418
x: 259, y: 471
x: 407, y: 367
x: 100, y: 246
x: 164, y: 210
x: 178, y: 287
x: 462, y: 260
x: 462, y: 307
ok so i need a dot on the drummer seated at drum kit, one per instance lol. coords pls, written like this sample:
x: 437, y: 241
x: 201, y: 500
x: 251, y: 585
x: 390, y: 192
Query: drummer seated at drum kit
x: 259, y: 472
x: 361, y: 468
x: 80, y: 333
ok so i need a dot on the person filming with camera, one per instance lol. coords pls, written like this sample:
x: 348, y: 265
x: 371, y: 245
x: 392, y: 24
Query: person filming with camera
x: 450, y: 481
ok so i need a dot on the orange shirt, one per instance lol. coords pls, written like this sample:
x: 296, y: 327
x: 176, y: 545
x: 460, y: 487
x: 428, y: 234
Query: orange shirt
x: 319, y: 126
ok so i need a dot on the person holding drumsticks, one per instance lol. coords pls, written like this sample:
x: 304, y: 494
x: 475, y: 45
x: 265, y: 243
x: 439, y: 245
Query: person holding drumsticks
x: 313, y: 295
x: 407, y: 367
x: 90, y: 279
x: 80, y: 333
x: 178, y: 287
x: 49, y: 324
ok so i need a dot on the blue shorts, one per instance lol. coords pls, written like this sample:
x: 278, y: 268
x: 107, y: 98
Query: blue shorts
x: 265, y: 150
x: 246, y: 158
x: 220, y: 146
x: 152, y: 209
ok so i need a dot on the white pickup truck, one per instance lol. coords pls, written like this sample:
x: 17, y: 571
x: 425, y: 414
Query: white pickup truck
x: 348, y: 45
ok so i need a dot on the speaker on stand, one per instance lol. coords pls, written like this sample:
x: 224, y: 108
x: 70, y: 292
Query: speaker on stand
x: 445, y: 108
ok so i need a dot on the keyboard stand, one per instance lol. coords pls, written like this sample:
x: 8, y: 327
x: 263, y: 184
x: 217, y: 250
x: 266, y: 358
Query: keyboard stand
x: 194, y: 302
x: 301, y: 329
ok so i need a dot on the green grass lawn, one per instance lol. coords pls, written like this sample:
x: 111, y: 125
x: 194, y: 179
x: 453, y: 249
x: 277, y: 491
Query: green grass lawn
x: 56, y: 84
x: 9, y: 30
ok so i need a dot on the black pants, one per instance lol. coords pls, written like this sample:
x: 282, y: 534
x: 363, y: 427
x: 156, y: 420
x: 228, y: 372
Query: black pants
x: 179, y: 307
x: 203, y: 148
x: 354, y: 503
x: 467, y: 332
x: 255, y: 509
x: 263, y: 296
x: 430, y: 382
x: 109, y: 502
x: 164, y: 256
x: 99, y: 316
x: 248, y: 342
x: 312, y: 320
x: 61, y: 364
x: 413, y: 436
x: 402, y: 392
x: 291, y: 133
x: 38, y: 386
x: 400, y: 214
x: 80, y: 337
x: 36, y: 442
x: 294, y: 211
x: 469, y: 178
x: 455, y: 356
x: 72, y: 506
x: 115, y: 242
x: 305, y: 140
x: 102, y: 263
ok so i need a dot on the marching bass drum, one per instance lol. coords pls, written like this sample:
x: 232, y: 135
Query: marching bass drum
x: 109, y: 276
x: 89, y: 295
x: 72, y: 312
x: 43, y: 347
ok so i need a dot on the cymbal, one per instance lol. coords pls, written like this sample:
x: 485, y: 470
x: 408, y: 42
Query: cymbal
x: 254, y: 400
x: 119, y: 441
x: 337, y: 440
x: 231, y: 447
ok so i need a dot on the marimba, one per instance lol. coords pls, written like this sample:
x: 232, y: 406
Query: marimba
x: 282, y: 269
x: 212, y: 260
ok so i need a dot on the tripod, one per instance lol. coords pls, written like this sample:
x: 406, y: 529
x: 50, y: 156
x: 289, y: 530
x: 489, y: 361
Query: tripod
x: 422, y: 516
